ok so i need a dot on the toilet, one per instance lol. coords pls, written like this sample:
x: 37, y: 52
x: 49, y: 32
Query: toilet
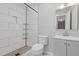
x: 38, y: 48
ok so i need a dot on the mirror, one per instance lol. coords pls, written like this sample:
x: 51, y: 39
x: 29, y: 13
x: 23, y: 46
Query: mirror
x: 61, y: 22
x: 68, y: 18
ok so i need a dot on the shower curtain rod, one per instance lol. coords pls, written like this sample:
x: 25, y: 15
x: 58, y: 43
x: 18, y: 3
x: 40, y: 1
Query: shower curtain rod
x: 30, y: 7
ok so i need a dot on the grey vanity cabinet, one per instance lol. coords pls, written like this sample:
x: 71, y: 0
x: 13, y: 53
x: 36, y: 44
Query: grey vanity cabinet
x: 66, y: 47
x: 59, y: 47
x: 73, y: 48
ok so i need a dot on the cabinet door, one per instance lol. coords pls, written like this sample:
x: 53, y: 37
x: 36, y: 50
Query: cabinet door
x: 73, y: 48
x: 59, y: 47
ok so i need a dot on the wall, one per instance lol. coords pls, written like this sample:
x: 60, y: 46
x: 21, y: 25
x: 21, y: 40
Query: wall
x: 12, y: 20
x: 32, y: 27
x: 47, y: 21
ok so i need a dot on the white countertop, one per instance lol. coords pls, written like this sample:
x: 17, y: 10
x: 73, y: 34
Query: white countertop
x: 66, y: 37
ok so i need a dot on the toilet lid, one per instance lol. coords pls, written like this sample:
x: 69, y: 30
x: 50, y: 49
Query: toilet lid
x: 37, y: 47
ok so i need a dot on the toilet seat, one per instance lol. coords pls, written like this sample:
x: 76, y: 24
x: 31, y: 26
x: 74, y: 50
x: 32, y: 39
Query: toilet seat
x: 37, y: 47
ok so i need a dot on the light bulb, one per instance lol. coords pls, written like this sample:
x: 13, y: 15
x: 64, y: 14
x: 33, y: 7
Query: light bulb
x: 62, y: 6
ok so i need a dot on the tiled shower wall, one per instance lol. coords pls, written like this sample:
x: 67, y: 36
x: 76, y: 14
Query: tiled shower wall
x: 12, y: 20
x: 32, y: 24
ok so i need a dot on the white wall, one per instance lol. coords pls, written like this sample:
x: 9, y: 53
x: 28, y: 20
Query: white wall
x: 32, y: 27
x: 12, y: 28
x: 47, y: 21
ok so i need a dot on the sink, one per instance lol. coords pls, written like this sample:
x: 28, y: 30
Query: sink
x: 66, y: 37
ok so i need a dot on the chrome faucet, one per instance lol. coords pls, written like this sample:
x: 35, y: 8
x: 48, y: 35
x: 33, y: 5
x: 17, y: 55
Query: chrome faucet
x: 66, y: 33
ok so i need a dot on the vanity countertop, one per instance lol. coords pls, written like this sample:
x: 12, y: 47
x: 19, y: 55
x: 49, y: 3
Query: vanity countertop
x: 73, y: 38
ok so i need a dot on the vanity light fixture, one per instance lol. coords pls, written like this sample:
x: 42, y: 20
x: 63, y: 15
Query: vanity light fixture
x: 62, y: 6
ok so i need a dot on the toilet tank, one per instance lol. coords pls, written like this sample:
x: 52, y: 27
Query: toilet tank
x: 43, y: 39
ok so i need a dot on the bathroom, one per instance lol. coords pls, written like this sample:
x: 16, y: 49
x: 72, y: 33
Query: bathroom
x: 39, y: 29
x: 21, y: 27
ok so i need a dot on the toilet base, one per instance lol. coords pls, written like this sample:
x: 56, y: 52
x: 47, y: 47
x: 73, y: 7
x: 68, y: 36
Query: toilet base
x: 29, y: 53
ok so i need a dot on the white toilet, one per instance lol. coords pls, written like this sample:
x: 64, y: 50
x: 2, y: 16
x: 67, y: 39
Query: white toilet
x: 38, y: 49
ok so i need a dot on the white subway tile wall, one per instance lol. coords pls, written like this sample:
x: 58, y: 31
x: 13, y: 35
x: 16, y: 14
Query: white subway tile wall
x: 12, y: 20
x: 32, y: 26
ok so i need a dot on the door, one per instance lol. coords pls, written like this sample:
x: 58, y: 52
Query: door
x: 32, y: 24
x: 73, y: 48
x: 59, y: 47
